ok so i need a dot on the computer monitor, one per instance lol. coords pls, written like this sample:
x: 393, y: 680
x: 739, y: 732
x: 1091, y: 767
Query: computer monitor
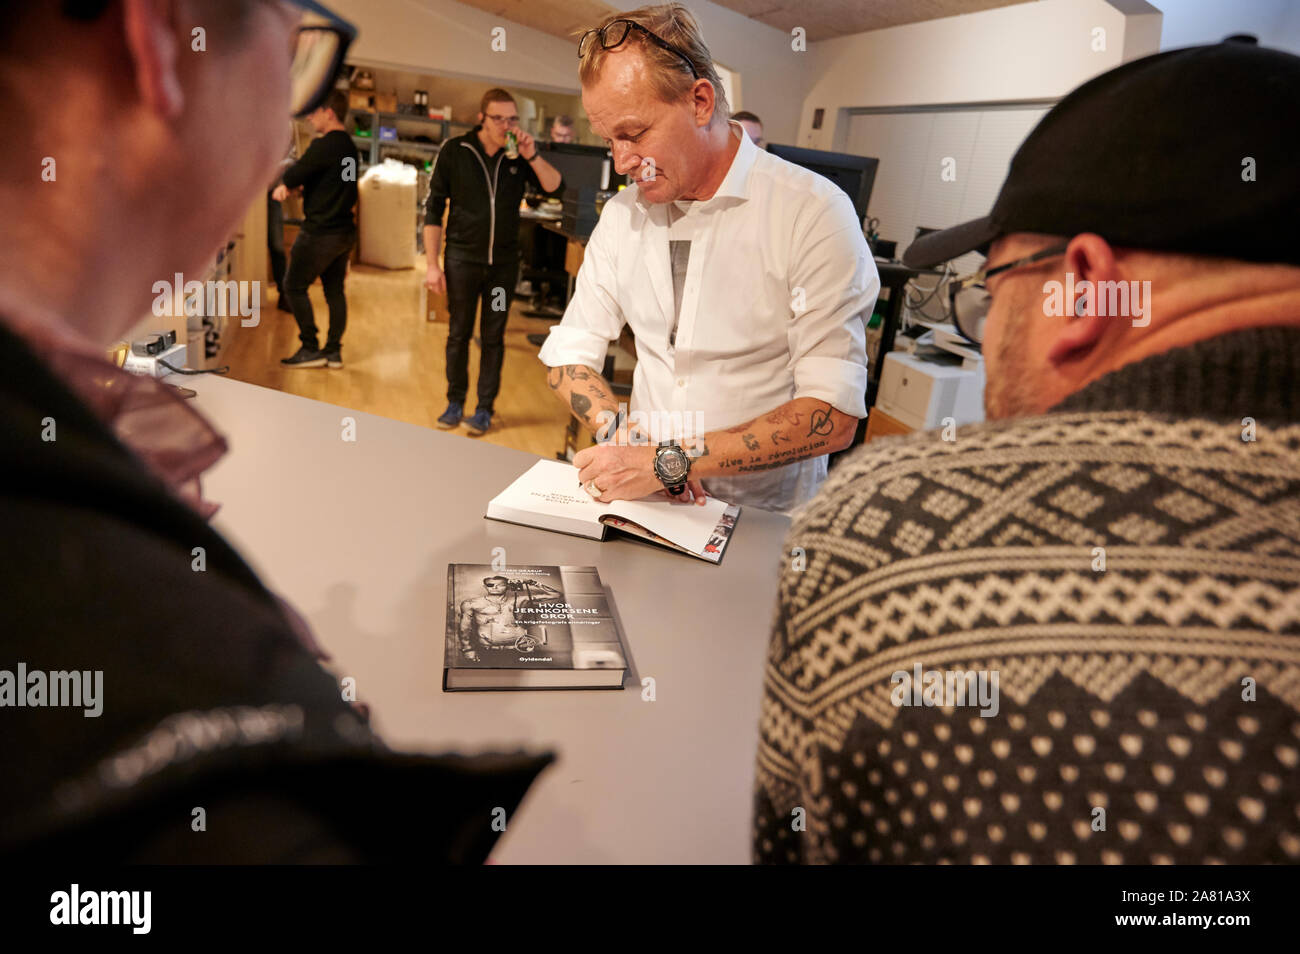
x: 581, y: 166
x: 854, y: 174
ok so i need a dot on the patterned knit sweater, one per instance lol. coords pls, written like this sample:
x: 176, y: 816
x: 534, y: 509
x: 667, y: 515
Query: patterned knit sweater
x: 1127, y: 567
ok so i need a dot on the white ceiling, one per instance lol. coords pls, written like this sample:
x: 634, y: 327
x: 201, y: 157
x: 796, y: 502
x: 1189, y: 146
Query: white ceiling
x: 820, y: 18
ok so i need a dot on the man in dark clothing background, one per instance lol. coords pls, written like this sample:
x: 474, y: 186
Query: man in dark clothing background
x: 485, y: 187
x: 327, y: 175
x: 209, y: 690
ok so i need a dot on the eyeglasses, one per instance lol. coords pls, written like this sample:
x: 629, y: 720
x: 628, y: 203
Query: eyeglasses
x: 969, y: 299
x: 321, y: 43
x: 613, y: 34
x: 503, y: 120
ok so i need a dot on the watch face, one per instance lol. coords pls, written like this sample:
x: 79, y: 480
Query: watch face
x: 671, y: 464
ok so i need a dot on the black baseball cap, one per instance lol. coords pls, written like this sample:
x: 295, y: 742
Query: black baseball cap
x: 1193, y: 150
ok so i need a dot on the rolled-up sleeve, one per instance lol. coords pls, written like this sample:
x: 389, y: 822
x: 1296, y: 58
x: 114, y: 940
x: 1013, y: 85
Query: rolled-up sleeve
x: 593, y: 318
x: 834, y: 285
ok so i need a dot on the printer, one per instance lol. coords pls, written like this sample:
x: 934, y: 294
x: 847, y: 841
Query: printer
x: 932, y: 377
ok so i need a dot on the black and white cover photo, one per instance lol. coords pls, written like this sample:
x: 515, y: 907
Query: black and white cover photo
x: 531, y: 617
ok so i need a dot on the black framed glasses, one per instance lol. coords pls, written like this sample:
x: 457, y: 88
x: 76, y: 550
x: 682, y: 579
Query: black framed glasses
x: 969, y: 298
x: 613, y: 34
x: 320, y: 45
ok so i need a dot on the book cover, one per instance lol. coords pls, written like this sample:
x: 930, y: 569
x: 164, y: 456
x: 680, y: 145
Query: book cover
x: 530, y: 627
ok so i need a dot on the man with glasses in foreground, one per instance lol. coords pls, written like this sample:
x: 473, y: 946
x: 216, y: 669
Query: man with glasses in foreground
x: 1071, y: 634
x: 485, y: 184
x: 214, y: 734
x: 745, y: 279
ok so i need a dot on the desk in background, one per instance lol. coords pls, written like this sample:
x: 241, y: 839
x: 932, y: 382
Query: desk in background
x: 358, y: 535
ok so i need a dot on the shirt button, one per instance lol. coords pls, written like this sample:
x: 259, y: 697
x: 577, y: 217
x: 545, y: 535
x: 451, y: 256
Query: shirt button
x: 681, y: 382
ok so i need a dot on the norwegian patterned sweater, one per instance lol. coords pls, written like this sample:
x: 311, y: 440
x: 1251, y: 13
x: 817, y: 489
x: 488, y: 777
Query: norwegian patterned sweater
x: 1127, y: 566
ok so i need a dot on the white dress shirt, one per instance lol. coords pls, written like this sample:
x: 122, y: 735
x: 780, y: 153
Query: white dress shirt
x: 778, y: 288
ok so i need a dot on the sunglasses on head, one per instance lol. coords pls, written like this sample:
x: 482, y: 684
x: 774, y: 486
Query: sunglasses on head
x: 615, y: 33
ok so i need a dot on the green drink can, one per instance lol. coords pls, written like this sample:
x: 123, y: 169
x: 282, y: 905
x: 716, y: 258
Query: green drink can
x: 512, y: 145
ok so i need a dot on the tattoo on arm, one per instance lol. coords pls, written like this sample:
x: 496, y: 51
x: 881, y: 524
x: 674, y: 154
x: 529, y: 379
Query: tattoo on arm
x: 751, y: 442
x: 781, y: 457
x: 696, y: 448
x: 580, y: 403
x: 554, y: 376
x: 821, y: 424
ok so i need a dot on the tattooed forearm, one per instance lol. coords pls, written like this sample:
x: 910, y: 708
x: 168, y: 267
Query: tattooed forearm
x: 778, y: 458
x: 777, y: 438
x: 585, y: 393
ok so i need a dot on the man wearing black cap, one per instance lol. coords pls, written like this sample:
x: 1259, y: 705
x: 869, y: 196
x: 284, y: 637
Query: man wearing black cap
x: 1071, y: 634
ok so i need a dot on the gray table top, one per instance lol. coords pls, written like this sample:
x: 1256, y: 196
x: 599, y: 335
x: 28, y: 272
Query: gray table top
x: 357, y: 535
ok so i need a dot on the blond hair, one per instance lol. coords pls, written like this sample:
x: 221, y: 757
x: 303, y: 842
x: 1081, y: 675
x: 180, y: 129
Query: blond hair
x: 669, y: 78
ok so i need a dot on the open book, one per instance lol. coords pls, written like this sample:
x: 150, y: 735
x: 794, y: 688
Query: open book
x: 548, y: 496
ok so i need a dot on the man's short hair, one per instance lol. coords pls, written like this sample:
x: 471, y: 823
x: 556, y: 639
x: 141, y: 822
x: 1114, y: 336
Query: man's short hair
x: 669, y: 78
x: 495, y: 95
x: 746, y: 116
x: 337, y: 103
x: 562, y: 121
x: 489, y: 579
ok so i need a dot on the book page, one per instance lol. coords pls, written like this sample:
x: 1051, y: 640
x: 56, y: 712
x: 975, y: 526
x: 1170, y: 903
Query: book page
x: 686, y: 524
x: 550, y: 487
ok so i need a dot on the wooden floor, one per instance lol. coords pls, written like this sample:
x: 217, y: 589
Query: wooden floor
x: 395, y: 361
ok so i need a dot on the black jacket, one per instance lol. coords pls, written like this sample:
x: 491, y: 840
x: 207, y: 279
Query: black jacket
x: 329, y: 182
x: 96, y: 573
x: 485, y: 192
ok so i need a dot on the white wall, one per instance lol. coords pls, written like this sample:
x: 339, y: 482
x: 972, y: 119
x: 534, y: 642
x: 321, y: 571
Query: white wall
x: 1029, y: 51
x: 453, y: 39
x: 1192, y: 22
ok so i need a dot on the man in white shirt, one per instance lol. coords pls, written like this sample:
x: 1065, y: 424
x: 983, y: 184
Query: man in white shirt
x: 745, y: 279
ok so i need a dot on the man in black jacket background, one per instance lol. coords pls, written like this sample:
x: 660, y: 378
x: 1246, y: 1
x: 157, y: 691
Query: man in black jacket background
x: 327, y: 176
x: 485, y: 185
x: 212, y: 696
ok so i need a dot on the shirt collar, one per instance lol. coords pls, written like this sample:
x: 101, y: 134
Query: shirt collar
x: 735, y: 184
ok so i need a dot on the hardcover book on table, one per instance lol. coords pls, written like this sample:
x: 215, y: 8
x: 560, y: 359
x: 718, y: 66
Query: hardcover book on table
x: 530, y: 627
x: 549, y: 496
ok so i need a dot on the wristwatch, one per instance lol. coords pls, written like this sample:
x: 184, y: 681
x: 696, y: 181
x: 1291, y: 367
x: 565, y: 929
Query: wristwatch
x: 672, y: 466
